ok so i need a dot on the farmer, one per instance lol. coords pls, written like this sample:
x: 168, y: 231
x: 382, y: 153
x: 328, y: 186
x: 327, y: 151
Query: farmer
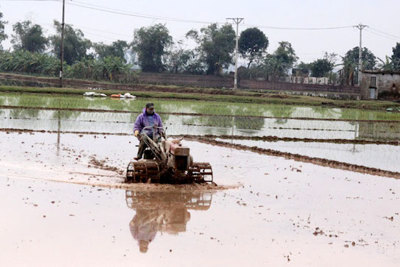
x: 147, y: 119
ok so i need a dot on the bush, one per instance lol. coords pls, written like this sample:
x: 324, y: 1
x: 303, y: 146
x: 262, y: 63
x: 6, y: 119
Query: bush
x: 26, y: 62
x: 109, y: 69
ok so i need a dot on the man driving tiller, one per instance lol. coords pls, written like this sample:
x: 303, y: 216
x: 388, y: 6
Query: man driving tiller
x: 152, y: 121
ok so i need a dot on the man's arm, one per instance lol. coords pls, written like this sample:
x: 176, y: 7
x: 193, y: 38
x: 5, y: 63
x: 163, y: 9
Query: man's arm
x: 137, y: 128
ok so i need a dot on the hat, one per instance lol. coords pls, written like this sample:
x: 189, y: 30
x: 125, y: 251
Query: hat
x: 149, y: 105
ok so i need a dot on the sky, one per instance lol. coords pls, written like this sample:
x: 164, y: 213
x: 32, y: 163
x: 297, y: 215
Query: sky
x: 180, y: 16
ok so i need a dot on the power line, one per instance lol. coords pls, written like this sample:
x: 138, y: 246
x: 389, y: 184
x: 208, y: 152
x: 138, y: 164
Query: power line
x: 301, y: 28
x: 385, y: 33
x: 380, y: 35
x: 124, y: 13
x: 147, y: 16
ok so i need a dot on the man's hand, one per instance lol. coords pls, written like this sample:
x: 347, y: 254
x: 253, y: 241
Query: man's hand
x: 137, y: 133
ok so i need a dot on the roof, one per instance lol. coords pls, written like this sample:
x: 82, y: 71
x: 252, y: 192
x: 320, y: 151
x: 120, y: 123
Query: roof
x: 381, y: 72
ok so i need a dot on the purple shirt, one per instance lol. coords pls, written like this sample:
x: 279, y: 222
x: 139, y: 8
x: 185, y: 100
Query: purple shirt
x: 143, y: 121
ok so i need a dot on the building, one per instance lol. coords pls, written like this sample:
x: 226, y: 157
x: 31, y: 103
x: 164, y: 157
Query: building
x: 380, y: 84
x: 308, y: 80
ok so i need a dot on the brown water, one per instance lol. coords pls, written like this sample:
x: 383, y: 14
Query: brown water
x: 59, y: 210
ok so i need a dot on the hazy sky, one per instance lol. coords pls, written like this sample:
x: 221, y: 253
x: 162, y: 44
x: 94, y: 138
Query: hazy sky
x: 382, y: 16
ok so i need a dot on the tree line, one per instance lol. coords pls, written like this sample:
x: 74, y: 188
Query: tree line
x: 154, y: 50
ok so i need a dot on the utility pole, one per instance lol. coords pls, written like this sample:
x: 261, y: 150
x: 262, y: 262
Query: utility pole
x: 62, y: 44
x: 237, y: 21
x: 360, y: 27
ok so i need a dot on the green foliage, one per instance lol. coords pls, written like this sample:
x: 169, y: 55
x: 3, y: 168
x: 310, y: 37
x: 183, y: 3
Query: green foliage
x: 285, y: 55
x: 3, y: 36
x: 396, y: 57
x: 215, y: 46
x: 274, y: 66
x: 368, y: 58
x: 350, y: 64
x: 278, y: 64
x: 116, y: 49
x: 29, y: 37
x: 179, y: 60
x: 26, y: 62
x: 302, y: 69
x: 75, y: 45
x: 386, y: 65
x: 109, y: 69
x: 252, y: 44
x: 321, y: 67
x: 150, y: 43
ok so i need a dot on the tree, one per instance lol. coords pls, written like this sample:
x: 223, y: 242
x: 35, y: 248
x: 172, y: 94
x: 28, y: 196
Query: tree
x: 215, y: 46
x: 116, y: 49
x: 322, y: 67
x: 252, y: 44
x: 285, y: 55
x: 280, y: 62
x: 75, y: 44
x: 368, y: 58
x: 29, y: 37
x: 302, y: 69
x: 3, y: 35
x: 386, y: 65
x: 350, y: 64
x: 180, y: 60
x: 396, y: 57
x: 151, y: 43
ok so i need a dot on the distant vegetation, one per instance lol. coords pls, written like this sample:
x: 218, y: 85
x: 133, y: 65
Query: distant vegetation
x: 154, y: 50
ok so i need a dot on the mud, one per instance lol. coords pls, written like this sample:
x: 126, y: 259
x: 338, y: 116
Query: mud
x: 101, y: 164
x: 195, y: 114
x: 300, y: 213
x: 184, y: 188
x: 208, y: 139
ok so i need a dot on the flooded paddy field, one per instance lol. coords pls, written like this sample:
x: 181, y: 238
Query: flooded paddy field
x: 369, y: 155
x: 65, y: 204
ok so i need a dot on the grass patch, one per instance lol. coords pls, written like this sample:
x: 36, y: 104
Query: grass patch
x: 201, y: 106
x: 265, y: 98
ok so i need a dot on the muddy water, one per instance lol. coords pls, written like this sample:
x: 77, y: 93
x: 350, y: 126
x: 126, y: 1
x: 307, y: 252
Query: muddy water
x: 61, y: 208
x: 51, y: 120
x: 199, y: 107
x: 283, y: 212
x: 383, y: 157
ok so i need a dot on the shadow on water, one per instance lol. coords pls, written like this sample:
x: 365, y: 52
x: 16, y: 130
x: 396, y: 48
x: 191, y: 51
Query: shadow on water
x: 164, y: 212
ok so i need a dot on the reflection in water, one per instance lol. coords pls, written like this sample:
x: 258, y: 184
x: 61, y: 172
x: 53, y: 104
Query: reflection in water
x: 165, y: 212
x: 381, y: 131
x: 285, y: 113
x: 67, y: 120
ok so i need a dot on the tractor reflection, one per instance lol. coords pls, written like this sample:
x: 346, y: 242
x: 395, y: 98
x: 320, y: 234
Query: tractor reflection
x: 165, y: 212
